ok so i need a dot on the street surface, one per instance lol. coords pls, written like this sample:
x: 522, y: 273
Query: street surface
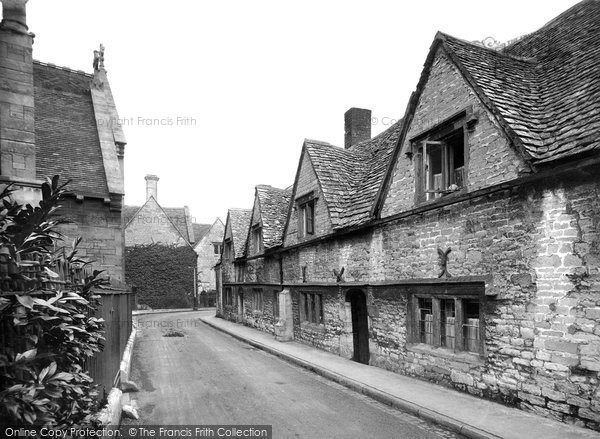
x: 190, y: 373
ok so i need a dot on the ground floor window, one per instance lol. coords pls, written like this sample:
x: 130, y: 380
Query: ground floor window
x: 227, y: 296
x: 257, y: 300
x: 447, y: 320
x: 311, y: 308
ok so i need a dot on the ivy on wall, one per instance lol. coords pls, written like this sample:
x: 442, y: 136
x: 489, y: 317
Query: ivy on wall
x: 162, y: 275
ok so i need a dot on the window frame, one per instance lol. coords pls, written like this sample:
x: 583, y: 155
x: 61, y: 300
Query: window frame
x: 257, y: 238
x: 305, y: 208
x: 228, y: 249
x: 311, y: 308
x: 436, y: 295
x: 258, y: 303
x: 275, y: 304
x: 437, y: 136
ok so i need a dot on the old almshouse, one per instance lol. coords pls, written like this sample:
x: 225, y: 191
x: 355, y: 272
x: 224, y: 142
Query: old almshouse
x: 462, y: 245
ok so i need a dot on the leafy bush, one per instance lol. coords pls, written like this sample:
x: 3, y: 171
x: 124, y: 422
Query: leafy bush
x: 48, y: 328
x: 163, y: 275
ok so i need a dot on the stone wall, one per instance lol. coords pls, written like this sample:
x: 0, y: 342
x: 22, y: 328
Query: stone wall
x: 207, y: 258
x: 539, y: 249
x: 152, y: 226
x: 490, y: 158
x: 102, y: 232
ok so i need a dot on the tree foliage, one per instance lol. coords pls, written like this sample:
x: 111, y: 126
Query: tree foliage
x: 49, y: 328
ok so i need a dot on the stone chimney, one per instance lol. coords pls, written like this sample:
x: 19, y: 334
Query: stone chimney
x: 357, y: 122
x: 151, y: 186
x: 17, y: 136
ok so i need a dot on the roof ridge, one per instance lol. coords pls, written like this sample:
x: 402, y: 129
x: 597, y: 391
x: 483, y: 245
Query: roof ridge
x: 499, y: 51
x: 63, y: 68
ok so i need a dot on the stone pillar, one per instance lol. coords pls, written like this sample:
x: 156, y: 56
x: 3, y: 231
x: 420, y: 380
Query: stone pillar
x: 151, y: 186
x: 284, y: 328
x: 17, y: 133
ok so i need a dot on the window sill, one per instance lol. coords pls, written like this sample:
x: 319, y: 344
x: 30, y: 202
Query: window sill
x: 312, y: 326
x: 461, y: 357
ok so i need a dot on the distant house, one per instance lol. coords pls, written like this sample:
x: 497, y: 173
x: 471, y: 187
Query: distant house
x: 208, y: 247
x: 234, y: 245
x: 160, y: 259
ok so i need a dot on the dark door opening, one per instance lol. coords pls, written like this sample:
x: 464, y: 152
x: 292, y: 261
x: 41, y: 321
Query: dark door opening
x: 360, y: 325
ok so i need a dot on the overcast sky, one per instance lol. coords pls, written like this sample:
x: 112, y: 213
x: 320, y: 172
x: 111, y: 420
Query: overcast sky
x: 252, y: 79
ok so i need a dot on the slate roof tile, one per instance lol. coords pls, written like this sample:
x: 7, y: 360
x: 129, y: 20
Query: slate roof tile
x: 65, y: 129
x: 545, y: 85
x: 240, y: 223
x: 200, y: 230
x: 274, y: 206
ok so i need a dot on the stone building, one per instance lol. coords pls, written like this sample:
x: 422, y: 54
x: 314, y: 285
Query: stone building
x: 208, y: 247
x: 461, y: 245
x: 58, y: 121
x: 154, y: 224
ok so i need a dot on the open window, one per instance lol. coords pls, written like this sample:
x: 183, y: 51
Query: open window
x: 441, y: 166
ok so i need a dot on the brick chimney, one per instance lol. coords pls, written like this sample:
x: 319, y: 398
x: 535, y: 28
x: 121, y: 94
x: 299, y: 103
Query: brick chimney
x: 151, y: 186
x: 357, y: 122
x: 17, y: 137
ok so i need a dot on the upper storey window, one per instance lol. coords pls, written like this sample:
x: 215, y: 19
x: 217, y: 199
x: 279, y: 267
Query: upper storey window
x: 306, y: 215
x: 257, y: 238
x: 441, y: 157
x: 442, y: 164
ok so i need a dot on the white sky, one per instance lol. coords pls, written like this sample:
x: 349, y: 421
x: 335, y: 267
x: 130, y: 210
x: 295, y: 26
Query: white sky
x: 257, y: 76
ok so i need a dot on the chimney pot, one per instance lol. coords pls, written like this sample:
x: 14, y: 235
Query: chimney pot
x: 357, y: 123
x: 14, y: 16
x: 151, y: 186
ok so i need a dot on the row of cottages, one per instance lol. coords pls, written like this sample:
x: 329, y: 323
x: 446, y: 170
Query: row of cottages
x: 58, y: 121
x: 461, y: 245
x: 153, y: 224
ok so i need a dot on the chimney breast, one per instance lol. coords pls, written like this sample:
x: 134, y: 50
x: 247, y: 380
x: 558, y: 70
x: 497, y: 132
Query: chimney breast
x: 151, y: 186
x: 357, y: 122
x: 17, y: 136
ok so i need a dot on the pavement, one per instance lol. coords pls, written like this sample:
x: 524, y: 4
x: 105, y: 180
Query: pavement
x: 141, y: 312
x: 459, y: 412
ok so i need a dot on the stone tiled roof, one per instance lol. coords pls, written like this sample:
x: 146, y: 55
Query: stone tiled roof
x: 200, y: 230
x: 180, y: 220
x: 66, y: 133
x: 240, y: 222
x: 274, y: 205
x: 546, y: 85
x: 350, y: 178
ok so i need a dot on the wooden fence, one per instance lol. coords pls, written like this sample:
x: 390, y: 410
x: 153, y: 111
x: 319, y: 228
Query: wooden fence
x: 23, y: 276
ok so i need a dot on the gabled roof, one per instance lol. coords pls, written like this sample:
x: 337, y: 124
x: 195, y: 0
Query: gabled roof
x: 546, y: 85
x: 543, y: 89
x: 66, y: 133
x: 239, y: 221
x: 176, y: 215
x: 200, y: 230
x: 274, y: 204
x: 350, y: 178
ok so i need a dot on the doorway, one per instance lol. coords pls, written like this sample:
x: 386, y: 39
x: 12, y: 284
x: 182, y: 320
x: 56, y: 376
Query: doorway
x: 360, y: 325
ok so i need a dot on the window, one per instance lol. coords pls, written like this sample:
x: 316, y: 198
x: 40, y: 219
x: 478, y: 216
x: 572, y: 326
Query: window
x: 257, y: 238
x: 440, y: 165
x: 228, y: 250
x: 311, y: 308
x: 217, y: 248
x: 257, y: 300
x: 306, y: 215
x: 227, y: 296
x: 447, y: 320
x: 276, y: 304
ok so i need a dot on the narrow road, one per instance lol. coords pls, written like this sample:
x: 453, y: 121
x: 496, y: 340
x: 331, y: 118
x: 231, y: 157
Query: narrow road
x: 190, y: 373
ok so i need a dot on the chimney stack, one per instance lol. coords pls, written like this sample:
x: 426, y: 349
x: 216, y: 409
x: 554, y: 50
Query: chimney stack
x: 151, y: 186
x: 17, y: 137
x: 357, y: 122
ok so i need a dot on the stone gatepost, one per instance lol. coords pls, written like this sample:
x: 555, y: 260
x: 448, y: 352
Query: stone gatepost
x: 347, y: 336
x: 284, y: 328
